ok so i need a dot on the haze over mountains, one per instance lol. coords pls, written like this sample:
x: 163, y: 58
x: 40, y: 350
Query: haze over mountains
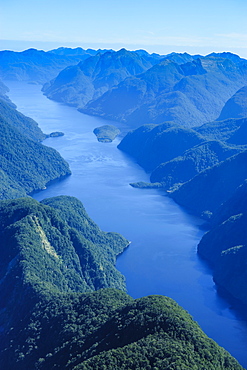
x: 188, y: 90
x: 191, y: 137
x: 38, y: 66
x: 90, y: 79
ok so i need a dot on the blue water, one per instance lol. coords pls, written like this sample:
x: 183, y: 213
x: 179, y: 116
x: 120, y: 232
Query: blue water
x: 162, y: 256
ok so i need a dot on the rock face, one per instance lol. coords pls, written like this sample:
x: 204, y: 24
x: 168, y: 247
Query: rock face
x: 52, y: 258
x: 106, y: 133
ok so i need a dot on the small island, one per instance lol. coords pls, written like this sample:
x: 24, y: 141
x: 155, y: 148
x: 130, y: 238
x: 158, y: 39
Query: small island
x: 146, y: 185
x: 106, y: 133
x: 56, y: 134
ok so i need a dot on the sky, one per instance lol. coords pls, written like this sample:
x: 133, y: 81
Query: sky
x: 161, y: 26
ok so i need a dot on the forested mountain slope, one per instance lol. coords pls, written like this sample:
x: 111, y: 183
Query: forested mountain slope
x: 76, y: 85
x: 189, y: 94
x: 236, y: 106
x: 25, y: 164
x: 48, y: 321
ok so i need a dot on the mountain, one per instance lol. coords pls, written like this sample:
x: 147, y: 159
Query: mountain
x: 236, y: 106
x: 217, y: 184
x: 50, y: 316
x: 3, y: 97
x: 203, y: 175
x: 76, y: 52
x: 25, y: 164
x: 152, y: 145
x: 3, y: 88
x: 34, y: 65
x: 224, y: 246
x: 221, y: 130
x: 181, y: 58
x: 189, y: 94
x: 234, y: 205
x: 227, y: 55
x: 25, y: 125
x: 195, y: 160
x: 76, y: 85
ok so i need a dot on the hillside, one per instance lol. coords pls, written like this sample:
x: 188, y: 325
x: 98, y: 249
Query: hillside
x: 25, y: 164
x: 25, y: 125
x: 49, y: 269
x: 236, y: 106
x: 217, y: 184
x: 189, y: 94
x: 224, y: 245
x: 193, y: 161
x: 152, y: 145
x: 76, y: 85
x: 221, y: 130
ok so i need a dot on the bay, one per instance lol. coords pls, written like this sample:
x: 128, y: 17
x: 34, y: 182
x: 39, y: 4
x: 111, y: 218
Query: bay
x: 162, y: 255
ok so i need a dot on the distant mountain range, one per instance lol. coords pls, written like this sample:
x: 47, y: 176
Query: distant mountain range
x: 88, y: 80
x: 188, y: 90
x: 38, y: 66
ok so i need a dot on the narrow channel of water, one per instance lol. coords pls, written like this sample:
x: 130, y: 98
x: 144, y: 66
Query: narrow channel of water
x: 162, y: 257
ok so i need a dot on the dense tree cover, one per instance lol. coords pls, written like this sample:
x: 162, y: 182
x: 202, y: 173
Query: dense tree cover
x: 189, y: 94
x: 26, y: 165
x: 173, y: 154
x: 3, y: 97
x: 193, y: 161
x: 223, y: 130
x: 106, y: 133
x: 217, y: 184
x: 152, y: 145
x: 79, y: 257
x: 224, y: 245
x: 72, y: 210
x: 203, y: 169
x: 27, y: 126
x: 76, y: 85
x: 53, y: 257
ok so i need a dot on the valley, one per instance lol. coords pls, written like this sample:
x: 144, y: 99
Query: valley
x: 159, y: 230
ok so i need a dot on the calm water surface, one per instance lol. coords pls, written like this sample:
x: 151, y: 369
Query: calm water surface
x: 162, y: 256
